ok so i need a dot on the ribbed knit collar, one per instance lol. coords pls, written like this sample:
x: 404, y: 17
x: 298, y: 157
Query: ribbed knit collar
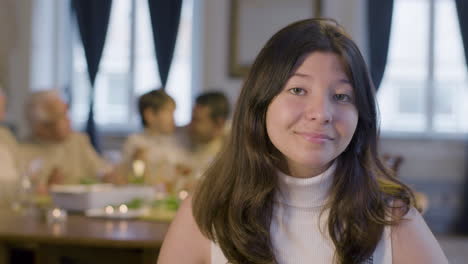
x: 305, y: 193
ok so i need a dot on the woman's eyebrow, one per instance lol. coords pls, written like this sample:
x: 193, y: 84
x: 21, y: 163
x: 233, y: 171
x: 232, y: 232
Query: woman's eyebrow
x: 302, y: 75
x: 345, y: 81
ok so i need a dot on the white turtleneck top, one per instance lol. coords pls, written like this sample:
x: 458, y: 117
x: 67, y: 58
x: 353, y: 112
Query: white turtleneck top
x: 299, y: 231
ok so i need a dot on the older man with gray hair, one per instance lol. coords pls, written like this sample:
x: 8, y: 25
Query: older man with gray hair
x: 59, y: 155
x: 9, y: 162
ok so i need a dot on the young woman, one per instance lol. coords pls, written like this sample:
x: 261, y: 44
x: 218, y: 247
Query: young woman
x: 300, y: 180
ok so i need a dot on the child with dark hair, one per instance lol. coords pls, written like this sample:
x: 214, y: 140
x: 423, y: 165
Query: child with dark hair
x: 155, y: 145
x: 300, y: 180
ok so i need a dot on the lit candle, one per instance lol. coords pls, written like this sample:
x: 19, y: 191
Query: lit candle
x: 139, y: 168
x: 56, y: 215
x: 123, y: 209
x: 183, y: 194
x: 109, y: 209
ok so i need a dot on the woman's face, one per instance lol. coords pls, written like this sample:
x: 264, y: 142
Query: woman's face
x: 313, y: 119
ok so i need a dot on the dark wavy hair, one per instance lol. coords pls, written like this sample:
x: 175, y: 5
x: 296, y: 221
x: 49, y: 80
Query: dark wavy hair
x: 234, y: 202
x: 217, y: 103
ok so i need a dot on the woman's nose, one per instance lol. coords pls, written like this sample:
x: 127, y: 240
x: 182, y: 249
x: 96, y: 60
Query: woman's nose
x: 320, y: 110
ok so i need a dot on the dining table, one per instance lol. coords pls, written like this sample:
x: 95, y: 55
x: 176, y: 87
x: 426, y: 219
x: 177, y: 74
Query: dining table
x: 80, y: 239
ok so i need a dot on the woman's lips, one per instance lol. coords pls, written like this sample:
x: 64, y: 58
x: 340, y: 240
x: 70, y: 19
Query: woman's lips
x: 315, y: 137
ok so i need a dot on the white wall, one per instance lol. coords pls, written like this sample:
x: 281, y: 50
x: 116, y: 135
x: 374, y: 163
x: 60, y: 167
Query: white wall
x: 216, y: 38
x: 429, y: 159
x: 438, y: 169
x: 50, y: 44
x: 216, y: 49
x: 351, y: 14
x: 18, y: 61
x: 8, y: 36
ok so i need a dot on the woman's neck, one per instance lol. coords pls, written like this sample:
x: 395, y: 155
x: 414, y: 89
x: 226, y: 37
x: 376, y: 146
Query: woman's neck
x: 300, y: 171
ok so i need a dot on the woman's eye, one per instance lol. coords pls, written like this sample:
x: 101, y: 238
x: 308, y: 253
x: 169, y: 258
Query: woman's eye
x: 342, y: 97
x: 297, y: 91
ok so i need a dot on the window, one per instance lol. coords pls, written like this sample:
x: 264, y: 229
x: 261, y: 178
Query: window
x: 128, y: 68
x: 425, y: 85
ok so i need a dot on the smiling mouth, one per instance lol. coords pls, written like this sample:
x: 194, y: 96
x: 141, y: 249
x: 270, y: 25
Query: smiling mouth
x: 315, y: 137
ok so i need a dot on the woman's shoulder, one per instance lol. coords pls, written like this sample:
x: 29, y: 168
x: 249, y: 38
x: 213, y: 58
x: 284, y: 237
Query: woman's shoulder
x: 184, y: 243
x: 412, y: 240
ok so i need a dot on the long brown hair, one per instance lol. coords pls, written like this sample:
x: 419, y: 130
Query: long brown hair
x: 233, y: 205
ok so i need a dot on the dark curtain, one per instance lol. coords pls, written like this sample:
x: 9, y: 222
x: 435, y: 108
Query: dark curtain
x: 93, y: 19
x: 165, y: 16
x: 462, y: 11
x: 379, y: 21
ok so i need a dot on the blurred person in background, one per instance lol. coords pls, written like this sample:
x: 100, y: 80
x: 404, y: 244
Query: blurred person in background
x: 54, y: 153
x: 151, y: 156
x: 9, y: 162
x: 204, y: 137
x: 6, y: 136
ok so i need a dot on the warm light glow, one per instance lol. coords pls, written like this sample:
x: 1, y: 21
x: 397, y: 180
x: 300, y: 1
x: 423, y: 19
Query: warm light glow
x: 138, y: 168
x: 123, y: 226
x: 109, y: 226
x: 56, y: 213
x: 109, y: 209
x: 183, y: 194
x: 57, y: 229
x: 123, y: 209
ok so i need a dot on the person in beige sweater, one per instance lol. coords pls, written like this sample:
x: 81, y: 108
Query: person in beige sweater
x: 54, y: 153
x: 204, y: 137
x: 9, y: 162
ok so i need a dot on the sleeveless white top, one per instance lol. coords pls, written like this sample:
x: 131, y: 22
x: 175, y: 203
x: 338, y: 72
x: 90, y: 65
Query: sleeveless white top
x: 299, y: 233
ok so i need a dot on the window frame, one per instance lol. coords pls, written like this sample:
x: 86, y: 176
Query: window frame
x: 429, y: 131
x: 130, y: 125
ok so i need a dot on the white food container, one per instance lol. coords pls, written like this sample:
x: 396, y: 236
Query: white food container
x: 84, y: 197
